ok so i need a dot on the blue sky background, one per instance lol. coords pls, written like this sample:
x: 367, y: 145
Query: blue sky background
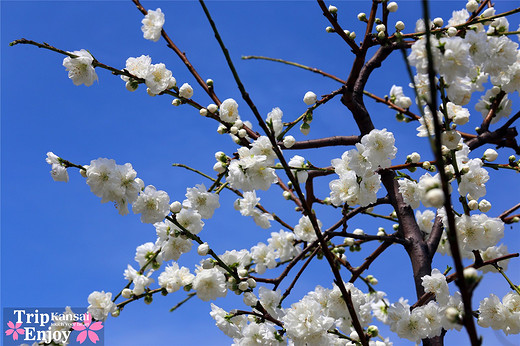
x: 59, y: 243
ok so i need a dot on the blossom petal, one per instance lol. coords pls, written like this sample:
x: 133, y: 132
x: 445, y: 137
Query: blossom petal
x: 82, y: 336
x: 96, y: 326
x: 93, y: 336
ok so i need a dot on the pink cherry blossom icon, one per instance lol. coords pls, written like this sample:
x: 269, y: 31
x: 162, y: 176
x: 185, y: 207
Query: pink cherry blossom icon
x: 87, y: 329
x: 14, y: 329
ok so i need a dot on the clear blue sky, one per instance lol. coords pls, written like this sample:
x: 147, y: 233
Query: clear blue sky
x: 59, y: 243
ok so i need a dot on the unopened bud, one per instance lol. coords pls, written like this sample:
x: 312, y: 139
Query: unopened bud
x: 473, y: 205
x: 176, y: 102
x: 289, y: 141
x: 251, y: 282
x: 470, y: 275
x: 148, y: 299
x: 438, y: 22
x: 490, y: 155
x: 175, y: 207
x: 131, y: 85
x: 452, y: 31
x: 126, y: 293
x: 287, y: 195
x: 380, y: 27
x: 209, y: 82
x: 484, y: 206
x: 203, y: 112
x: 372, y: 331
x: 333, y: 9
x: 329, y: 29
x: 305, y: 129
x: 392, y: 6
x: 348, y: 241
x: 426, y: 165
x: 362, y: 16
x: 472, y: 6
x: 399, y: 26
x: 309, y: 98
x: 203, y: 249
x: 212, y: 108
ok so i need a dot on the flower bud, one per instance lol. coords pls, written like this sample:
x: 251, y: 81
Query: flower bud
x: 358, y: 231
x: 186, y: 91
x: 395, y: 226
x: 352, y: 35
x: 470, y: 275
x: 333, y: 9
x: 414, y: 157
x: 381, y: 35
x: 148, y: 299
x: 288, y: 141
x: 233, y: 130
x: 380, y: 27
x: 203, y: 249
x: 473, y: 205
x: 452, y: 31
x: 219, y: 167
x: 348, y: 241
x: 242, y: 133
x: 488, y: 12
x: 329, y: 29
x: 392, y: 6
x: 347, y: 32
x: 212, y: 108
x: 222, y: 129
x: 484, y: 206
x: 175, y: 207
x: 176, y: 102
x: 490, y: 155
x: 116, y: 313
x: 354, y: 336
x: 209, y: 82
x: 243, y: 273
x: 472, y: 6
x: 305, y: 129
x: 362, y: 16
x: 126, y: 293
x: 251, y: 282
x: 372, y: 331
x: 287, y: 195
x: 131, y: 85
x: 309, y: 98
x: 438, y: 22
x: 426, y: 165
x: 83, y: 172
x: 399, y: 26
x: 203, y: 112
x: 381, y: 232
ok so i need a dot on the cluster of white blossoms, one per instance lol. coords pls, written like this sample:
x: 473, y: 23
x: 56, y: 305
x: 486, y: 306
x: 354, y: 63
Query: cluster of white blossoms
x: 80, y: 68
x: 152, y: 25
x: 466, y: 62
x: 463, y: 64
x: 156, y: 76
x: 252, y: 170
x: 359, y: 182
x: 501, y: 315
x: 247, y: 207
